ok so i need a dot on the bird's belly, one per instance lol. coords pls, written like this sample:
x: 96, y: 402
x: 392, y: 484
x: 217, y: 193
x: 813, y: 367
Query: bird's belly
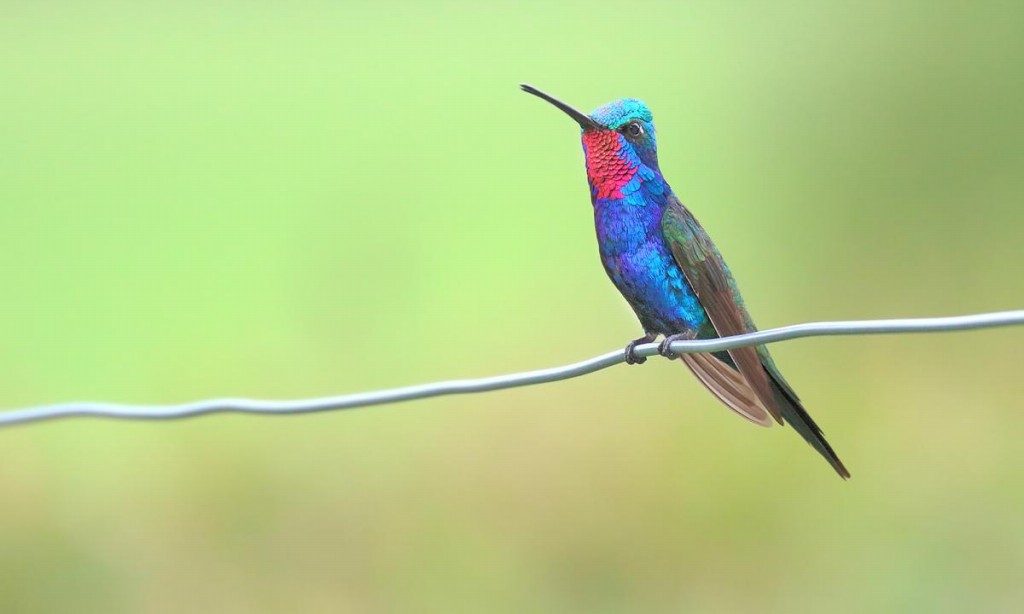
x: 654, y: 285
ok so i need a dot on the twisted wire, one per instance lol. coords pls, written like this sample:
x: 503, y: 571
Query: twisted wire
x: 499, y: 382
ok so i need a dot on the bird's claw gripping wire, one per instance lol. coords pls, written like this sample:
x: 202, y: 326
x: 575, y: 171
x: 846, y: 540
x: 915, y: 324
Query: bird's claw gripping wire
x: 632, y: 358
x: 665, y: 347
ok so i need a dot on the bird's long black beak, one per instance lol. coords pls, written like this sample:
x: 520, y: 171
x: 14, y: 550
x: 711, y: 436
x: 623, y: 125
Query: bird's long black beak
x: 582, y: 119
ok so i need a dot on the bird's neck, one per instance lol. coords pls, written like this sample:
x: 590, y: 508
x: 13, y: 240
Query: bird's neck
x: 629, y: 215
x: 636, y: 186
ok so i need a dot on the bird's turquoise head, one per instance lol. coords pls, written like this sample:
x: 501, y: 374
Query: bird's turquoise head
x: 624, y: 116
x: 618, y: 140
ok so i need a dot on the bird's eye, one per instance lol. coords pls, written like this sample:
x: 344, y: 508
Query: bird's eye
x: 634, y: 129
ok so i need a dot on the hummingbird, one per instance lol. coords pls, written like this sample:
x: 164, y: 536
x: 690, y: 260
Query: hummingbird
x: 671, y: 274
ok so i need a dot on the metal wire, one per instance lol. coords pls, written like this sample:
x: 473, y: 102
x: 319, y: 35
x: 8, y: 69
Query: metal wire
x: 485, y: 384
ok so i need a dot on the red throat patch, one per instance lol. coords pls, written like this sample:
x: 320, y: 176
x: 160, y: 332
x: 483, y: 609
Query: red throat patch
x: 607, y: 170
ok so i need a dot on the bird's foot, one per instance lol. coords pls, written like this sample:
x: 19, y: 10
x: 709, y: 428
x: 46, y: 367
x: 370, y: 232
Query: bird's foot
x: 665, y: 347
x: 631, y: 356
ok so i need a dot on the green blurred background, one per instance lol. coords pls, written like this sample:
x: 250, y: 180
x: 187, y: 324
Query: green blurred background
x: 246, y: 199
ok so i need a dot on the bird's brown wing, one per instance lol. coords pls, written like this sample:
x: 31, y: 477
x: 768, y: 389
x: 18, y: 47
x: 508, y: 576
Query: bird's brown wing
x: 708, y: 275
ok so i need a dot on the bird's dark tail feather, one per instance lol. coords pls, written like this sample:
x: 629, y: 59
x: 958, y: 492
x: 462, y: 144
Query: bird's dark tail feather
x: 793, y: 412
